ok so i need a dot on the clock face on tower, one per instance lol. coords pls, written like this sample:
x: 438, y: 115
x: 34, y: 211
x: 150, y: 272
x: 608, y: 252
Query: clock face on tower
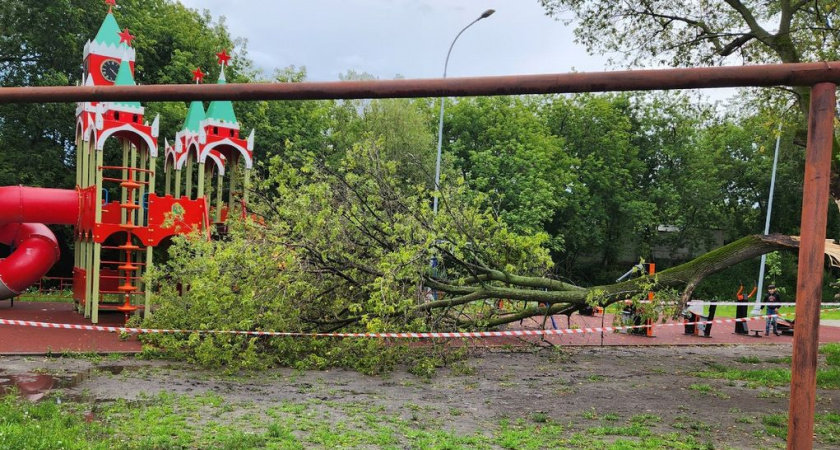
x: 109, y: 69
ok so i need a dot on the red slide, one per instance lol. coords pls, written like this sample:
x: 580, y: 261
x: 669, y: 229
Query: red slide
x: 34, y: 246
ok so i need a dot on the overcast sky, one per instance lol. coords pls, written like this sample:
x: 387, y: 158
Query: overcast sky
x: 410, y: 38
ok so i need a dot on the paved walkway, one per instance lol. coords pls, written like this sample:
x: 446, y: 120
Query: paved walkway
x: 31, y: 340
x: 673, y: 333
x: 20, y: 340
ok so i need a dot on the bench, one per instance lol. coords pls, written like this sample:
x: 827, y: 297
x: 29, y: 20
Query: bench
x: 756, y: 333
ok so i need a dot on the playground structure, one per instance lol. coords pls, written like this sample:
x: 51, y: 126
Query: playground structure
x: 117, y: 215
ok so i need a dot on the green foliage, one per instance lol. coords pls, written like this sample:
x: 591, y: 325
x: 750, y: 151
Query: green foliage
x: 283, y: 128
x: 673, y: 33
x: 44, y: 47
x: 717, y: 32
x: 406, y: 139
x: 239, y: 284
x: 606, y: 205
x: 773, y: 266
x: 339, y: 248
x: 509, y: 154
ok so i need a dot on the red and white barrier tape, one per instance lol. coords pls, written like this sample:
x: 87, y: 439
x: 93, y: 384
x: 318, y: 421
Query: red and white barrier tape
x: 469, y: 334
x: 832, y: 305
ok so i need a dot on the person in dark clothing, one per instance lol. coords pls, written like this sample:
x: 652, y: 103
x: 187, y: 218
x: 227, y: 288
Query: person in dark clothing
x: 773, y: 302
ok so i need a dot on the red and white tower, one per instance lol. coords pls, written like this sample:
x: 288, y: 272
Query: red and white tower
x: 109, y: 60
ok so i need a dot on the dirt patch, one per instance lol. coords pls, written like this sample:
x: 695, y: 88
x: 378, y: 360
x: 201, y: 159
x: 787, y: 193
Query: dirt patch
x: 575, y: 387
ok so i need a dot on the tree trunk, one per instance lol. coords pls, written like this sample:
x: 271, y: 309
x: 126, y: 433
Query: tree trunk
x: 563, y: 298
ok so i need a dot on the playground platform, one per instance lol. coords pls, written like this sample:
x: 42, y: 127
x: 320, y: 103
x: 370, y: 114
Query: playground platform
x: 24, y: 340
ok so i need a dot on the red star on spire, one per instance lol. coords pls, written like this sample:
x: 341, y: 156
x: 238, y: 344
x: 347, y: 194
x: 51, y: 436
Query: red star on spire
x: 198, y: 75
x: 223, y: 57
x: 126, y: 37
x: 111, y: 4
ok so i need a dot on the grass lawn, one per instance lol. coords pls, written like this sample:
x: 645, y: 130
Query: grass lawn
x: 208, y: 420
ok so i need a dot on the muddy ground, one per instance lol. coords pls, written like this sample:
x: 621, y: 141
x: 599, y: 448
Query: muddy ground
x: 571, y: 386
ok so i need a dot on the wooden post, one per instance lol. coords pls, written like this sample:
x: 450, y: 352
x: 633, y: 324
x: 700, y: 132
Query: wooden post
x: 167, y: 176
x: 189, y: 176
x: 81, y: 147
x: 152, y: 174
x: 220, y: 184
x: 141, y: 178
x: 201, y: 174
x: 90, y: 248
x: 93, y: 301
x: 126, y: 148
x: 147, y: 304
x: 177, y: 183
x: 803, y: 383
x: 234, y: 172
x: 246, y: 185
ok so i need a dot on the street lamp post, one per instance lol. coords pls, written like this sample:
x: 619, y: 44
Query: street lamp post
x: 757, y: 309
x: 483, y: 15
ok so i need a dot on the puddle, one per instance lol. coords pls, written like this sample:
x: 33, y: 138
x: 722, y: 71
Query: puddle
x: 113, y: 370
x: 31, y: 386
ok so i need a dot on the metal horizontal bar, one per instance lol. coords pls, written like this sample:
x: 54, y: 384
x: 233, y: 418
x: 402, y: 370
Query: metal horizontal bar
x: 802, y: 74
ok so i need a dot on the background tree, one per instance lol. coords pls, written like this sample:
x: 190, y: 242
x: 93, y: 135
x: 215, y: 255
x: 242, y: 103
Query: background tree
x: 504, y: 150
x: 42, y: 44
x: 37, y: 141
x: 685, y: 34
x: 403, y: 125
x: 605, y: 208
x: 681, y: 176
x: 666, y: 32
x: 286, y: 127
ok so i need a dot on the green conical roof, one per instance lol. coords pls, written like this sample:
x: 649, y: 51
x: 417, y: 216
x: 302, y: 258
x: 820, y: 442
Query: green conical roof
x: 222, y: 110
x: 194, y: 117
x: 125, y: 78
x: 109, y: 31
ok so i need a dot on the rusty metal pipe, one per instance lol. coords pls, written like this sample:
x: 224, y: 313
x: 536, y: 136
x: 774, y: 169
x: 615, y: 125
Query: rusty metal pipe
x: 805, y: 74
x: 803, y: 384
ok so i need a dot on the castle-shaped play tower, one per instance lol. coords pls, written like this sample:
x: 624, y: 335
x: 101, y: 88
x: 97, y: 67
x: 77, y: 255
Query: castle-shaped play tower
x: 118, y: 216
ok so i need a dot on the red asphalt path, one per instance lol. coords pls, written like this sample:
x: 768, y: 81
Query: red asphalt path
x: 16, y: 339
x: 21, y: 340
x: 671, y: 333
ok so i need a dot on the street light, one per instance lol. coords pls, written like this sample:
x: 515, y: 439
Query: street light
x: 757, y: 309
x: 483, y: 15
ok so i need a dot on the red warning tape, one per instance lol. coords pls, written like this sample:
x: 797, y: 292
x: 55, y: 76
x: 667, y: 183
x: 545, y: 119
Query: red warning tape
x: 469, y: 334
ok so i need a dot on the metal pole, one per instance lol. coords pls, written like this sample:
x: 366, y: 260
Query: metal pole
x: 803, y: 383
x: 483, y: 15
x: 800, y: 74
x: 757, y: 309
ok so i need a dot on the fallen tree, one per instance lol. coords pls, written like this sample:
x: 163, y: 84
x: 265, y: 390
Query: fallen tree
x: 565, y: 298
x: 350, y: 248
x: 355, y: 248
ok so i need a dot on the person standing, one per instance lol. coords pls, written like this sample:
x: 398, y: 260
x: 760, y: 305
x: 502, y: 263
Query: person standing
x: 773, y: 302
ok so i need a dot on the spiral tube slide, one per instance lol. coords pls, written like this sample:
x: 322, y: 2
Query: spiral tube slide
x: 34, y: 246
